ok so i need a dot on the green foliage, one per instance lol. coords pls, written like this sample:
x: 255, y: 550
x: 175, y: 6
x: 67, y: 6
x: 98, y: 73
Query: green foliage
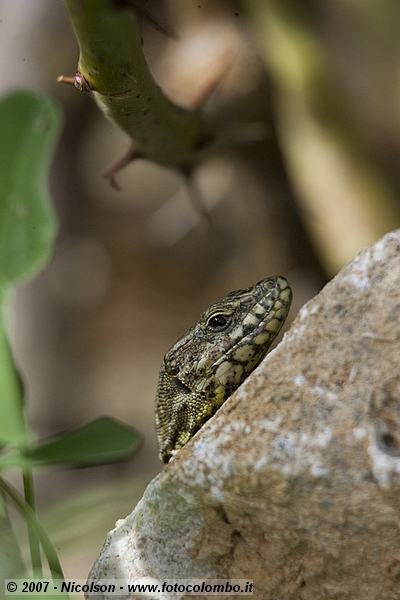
x: 12, y: 425
x: 99, y: 442
x: 10, y: 557
x: 29, y: 126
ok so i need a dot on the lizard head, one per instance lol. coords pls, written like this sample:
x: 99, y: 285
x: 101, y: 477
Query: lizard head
x: 215, y: 356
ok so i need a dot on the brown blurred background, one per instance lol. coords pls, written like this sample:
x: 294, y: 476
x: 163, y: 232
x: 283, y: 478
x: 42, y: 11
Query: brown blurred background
x: 312, y: 91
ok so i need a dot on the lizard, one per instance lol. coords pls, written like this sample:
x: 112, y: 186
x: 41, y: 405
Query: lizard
x: 205, y: 366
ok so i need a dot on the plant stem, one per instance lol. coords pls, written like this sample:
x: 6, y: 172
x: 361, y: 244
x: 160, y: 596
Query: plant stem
x: 30, y: 516
x: 113, y: 68
x: 34, y: 545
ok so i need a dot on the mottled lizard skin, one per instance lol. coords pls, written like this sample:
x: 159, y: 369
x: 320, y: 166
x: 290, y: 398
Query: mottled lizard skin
x: 214, y: 357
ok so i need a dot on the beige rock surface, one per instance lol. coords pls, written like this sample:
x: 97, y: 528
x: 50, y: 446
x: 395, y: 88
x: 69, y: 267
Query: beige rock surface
x: 295, y: 483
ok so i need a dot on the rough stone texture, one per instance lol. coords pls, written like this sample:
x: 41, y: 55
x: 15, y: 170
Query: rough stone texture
x: 295, y: 482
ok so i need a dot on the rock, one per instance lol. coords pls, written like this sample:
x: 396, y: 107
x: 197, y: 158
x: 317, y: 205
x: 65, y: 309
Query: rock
x: 295, y: 482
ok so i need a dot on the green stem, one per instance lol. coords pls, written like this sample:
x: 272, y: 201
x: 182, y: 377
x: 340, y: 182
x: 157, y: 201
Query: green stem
x: 113, y: 67
x: 30, y: 516
x: 34, y: 544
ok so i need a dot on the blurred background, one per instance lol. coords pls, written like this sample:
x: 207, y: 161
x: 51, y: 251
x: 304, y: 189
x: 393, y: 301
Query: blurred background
x: 312, y: 176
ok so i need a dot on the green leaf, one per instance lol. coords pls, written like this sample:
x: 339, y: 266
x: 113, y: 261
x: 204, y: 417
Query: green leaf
x: 101, y: 441
x: 29, y: 126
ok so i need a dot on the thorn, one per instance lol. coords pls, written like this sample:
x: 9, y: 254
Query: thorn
x: 146, y: 16
x: 214, y: 82
x: 115, y: 168
x: 78, y: 81
x: 205, y: 223
x: 113, y: 182
x: 65, y: 79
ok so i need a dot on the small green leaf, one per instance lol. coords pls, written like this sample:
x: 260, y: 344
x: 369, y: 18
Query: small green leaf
x: 29, y: 126
x: 101, y: 441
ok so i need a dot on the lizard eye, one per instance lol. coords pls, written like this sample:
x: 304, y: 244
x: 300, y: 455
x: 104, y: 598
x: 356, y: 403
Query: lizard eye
x: 217, y: 321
